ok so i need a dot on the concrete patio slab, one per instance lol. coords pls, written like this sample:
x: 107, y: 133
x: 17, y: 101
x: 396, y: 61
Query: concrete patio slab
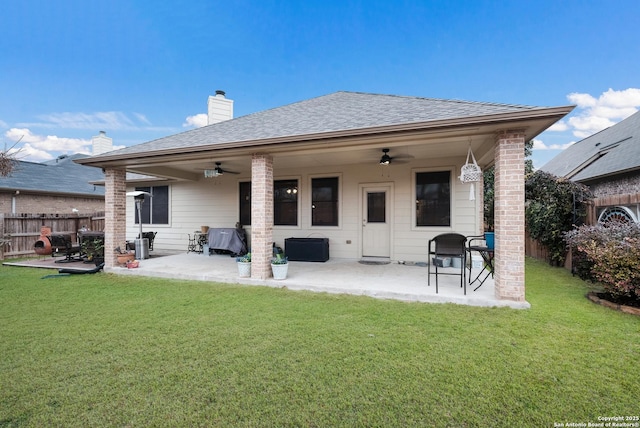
x: 405, y: 282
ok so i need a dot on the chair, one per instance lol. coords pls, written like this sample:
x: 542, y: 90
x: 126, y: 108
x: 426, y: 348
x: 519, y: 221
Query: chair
x: 193, y: 242
x: 62, y: 243
x: 448, y: 245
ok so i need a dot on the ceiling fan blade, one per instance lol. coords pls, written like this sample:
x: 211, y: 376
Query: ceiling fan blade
x: 395, y: 160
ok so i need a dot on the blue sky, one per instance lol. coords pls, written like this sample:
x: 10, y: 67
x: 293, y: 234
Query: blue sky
x: 140, y: 70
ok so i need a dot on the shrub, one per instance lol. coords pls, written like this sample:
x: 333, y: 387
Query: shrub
x: 609, y: 254
x: 554, y: 207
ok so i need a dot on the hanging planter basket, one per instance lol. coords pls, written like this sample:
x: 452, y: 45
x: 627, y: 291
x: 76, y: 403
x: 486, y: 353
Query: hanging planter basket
x: 470, y: 172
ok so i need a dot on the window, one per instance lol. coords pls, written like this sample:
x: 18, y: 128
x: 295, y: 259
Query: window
x: 245, y: 203
x: 324, y: 201
x: 155, y: 209
x: 285, y: 203
x: 433, y: 198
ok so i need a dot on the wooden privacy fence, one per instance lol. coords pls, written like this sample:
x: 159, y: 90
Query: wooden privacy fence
x: 19, y: 232
x: 533, y: 247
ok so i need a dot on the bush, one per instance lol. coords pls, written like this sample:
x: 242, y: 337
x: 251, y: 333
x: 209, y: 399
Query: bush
x: 609, y: 254
x: 554, y: 206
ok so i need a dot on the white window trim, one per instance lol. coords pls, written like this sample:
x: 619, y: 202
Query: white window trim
x: 309, y: 195
x: 452, y: 183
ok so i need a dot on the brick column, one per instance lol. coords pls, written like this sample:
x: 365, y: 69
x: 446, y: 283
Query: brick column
x: 115, y: 216
x: 261, y: 216
x: 509, y: 216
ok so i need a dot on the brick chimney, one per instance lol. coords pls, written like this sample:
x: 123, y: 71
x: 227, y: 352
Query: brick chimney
x: 219, y: 108
x: 101, y: 143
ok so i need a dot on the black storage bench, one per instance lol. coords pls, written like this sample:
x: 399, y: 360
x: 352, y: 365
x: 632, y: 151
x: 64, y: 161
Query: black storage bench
x: 307, y: 249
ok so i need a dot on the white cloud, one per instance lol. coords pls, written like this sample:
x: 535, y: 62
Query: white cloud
x: 586, y: 125
x: 196, y: 121
x: 99, y: 120
x: 540, y: 145
x: 32, y: 154
x: 142, y: 118
x: 621, y: 99
x: 582, y: 100
x: 3, y: 124
x: 104, y: 120
x: 599, y: 113
x: 35, y: 148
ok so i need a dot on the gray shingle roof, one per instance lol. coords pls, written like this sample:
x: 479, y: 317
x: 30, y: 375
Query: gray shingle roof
x: 339, y: 111
x: 61, y: 175
x: 610, y: 151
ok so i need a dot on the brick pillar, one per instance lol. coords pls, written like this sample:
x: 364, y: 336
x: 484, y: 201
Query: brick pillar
x: 115, y: 216
x: 509, y: 216
x: 261, y: 216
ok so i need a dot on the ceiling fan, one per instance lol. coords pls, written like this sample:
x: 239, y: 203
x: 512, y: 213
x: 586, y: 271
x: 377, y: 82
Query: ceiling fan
x: 209, y: 173
x: 386, y: 159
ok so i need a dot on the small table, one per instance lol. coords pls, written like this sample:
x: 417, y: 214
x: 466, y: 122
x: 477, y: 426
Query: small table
x: 487, y: 265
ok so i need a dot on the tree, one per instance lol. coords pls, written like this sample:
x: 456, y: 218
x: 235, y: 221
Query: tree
x: 8, y: 159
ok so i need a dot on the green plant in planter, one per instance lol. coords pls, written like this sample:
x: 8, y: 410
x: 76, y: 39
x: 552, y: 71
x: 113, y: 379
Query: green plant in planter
x: 93, y: 248
x: 244, y: 259
x: 279, y: 260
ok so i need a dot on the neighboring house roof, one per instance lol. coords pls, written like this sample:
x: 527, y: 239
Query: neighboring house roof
x: 59, y: 176
x: 615, y: 150
x: 339, y: 112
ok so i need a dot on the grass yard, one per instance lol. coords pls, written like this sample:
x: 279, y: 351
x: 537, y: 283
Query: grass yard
x: 105, y: 350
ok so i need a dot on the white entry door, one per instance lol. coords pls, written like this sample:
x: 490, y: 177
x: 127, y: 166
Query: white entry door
x: 376, y: 222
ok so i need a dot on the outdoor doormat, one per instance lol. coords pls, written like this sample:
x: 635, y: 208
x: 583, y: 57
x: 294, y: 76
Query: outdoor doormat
x: 374, y: 261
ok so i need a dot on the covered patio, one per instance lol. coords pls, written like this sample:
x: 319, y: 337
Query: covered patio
x: 405, y: 282
x: 376, y: 175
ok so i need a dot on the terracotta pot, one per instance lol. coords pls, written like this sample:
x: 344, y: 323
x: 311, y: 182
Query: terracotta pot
x: 124, y: 258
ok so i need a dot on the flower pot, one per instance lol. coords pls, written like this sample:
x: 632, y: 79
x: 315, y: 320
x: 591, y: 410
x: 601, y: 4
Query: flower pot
x: 489, y: 238
x: 124, y: 258
x: 244, y: 269
x: 279, y: 270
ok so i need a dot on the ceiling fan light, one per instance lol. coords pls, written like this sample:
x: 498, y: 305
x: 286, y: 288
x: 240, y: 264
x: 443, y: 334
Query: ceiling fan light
x: 211, y: 173
x: 385, y: 159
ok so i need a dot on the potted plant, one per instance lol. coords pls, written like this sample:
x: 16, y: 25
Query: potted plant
x: 125, y: 256
x: 279, y: 266
x: 93, y: 250
x: 244, y: 265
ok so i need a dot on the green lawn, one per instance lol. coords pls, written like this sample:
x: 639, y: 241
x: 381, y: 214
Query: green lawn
x: 106, y: 350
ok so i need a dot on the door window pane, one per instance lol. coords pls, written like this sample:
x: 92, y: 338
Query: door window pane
x: 376, y: 210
